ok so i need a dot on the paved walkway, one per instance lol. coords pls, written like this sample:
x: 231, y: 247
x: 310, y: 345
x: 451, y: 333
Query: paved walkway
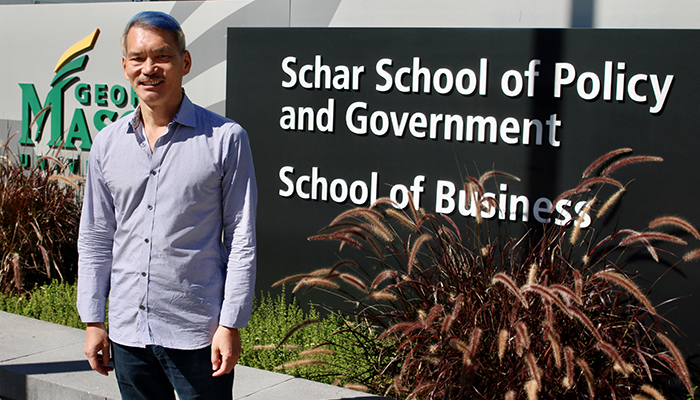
x: 44, y: 361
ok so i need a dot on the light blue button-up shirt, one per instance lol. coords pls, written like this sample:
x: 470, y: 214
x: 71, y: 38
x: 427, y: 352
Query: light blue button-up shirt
x: 169, y: 235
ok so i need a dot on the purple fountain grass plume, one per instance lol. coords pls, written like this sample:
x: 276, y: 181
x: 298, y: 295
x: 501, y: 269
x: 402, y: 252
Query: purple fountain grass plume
x: 401, y: 217
x: 548, y: 322
x: 291, y: 278
x: 380, y: 229
x: 66, y: 180
x: 532, y: 389
x: 301, y: 363
x: 450, y: 318
x: 467, y: 186
x: 607, y: 206
x: 323, y: 272
x: 620, y: 280
x: 566, y: 293
x: 570, y: 359
x: 382, y: 201
x: 692, y: 255
x: 339, y: 236
x: 296, y: 328
x: 645, y: 240
x: 383, y: 276
x: 603, y: 159
x: 460, y: 345
x: 614, y: 355
x: 492, y: 174
x: 435, y: 312
x: 585, y: 259
x: 680, y: 366
x: 502, y: 343
x: 446, y: 324
x: 345, y: 236
x: 265, y: 347
x: 578, y: 283
x: 53, y: 160
x: 315, y: 282
x: 532, y: 274
x: 354, y: 281
x: 318, y: 350
x: 357, y: 387
x: 475, y: 340
x: 485, y: 251
x: 650, y: 235
x: 653, y: 392
x: 398, y: 327
x: 464, y: 349
x: 677, y: 222
x: 588, y: 375
x: 522, y: 338
x: 508, y: 283
x: 475, y: 192
x: 545, y: 293
x: 627, y: 161
x: 415, y: 211
x: 458, y: 302
x: 414, y: 252
x: 382, y: 295
x: 556, y: 347
x: 625, y: 369
x: 576, y: 233
x: 534, y: 370
x: 488, y: 202
x: 476, y: 185
x: 651, y: 249
x: 359, y: 212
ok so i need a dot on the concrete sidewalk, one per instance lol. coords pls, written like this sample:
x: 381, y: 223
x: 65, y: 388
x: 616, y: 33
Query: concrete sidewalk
x: 44, y: 361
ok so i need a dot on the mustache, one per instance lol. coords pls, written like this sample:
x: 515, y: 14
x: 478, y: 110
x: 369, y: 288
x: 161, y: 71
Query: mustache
x: 150, y: 79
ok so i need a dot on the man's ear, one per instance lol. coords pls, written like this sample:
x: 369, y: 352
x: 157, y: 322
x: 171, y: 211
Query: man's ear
x: 124, y: 67
x: 187, y: 60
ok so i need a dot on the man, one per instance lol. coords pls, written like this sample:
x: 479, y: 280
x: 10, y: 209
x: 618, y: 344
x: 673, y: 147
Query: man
x: 167, y: 231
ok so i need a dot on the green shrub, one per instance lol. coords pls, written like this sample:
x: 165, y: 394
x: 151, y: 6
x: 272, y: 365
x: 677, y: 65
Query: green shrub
x: 272, y: 319
x: 321, y: 351
x: 475, y: 313
x: 54, y: 302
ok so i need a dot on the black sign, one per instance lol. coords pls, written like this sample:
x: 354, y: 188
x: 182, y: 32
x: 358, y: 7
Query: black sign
x: 340, y: 117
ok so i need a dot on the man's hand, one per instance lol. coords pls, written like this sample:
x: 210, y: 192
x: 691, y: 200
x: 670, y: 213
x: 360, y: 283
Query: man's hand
x: 97, y: 347
x: 225, y: 350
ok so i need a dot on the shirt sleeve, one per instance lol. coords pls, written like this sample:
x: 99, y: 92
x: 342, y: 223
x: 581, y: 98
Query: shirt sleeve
x: 239, y: 202
x: 95, y: 242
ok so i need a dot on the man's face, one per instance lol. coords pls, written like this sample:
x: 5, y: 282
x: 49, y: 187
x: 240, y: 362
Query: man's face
x: 155, y: 67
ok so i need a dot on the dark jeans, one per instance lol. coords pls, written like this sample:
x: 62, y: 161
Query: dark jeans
x: 155, y: 373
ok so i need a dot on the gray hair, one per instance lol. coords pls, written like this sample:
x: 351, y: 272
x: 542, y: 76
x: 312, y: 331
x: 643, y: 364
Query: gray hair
x: 156, y: 20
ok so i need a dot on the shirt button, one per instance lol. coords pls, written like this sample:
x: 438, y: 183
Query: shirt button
x: 150, y: 207
x: 153, y: 172
x: 146, y: 240
x: 142, y: 307
x: 143, y: 274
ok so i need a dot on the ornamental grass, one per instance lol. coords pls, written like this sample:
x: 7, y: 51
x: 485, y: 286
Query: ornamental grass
x: 39, y: 219
x: 443, y: 311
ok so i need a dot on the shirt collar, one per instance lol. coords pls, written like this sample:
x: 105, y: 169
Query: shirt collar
x: 185, y: 115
